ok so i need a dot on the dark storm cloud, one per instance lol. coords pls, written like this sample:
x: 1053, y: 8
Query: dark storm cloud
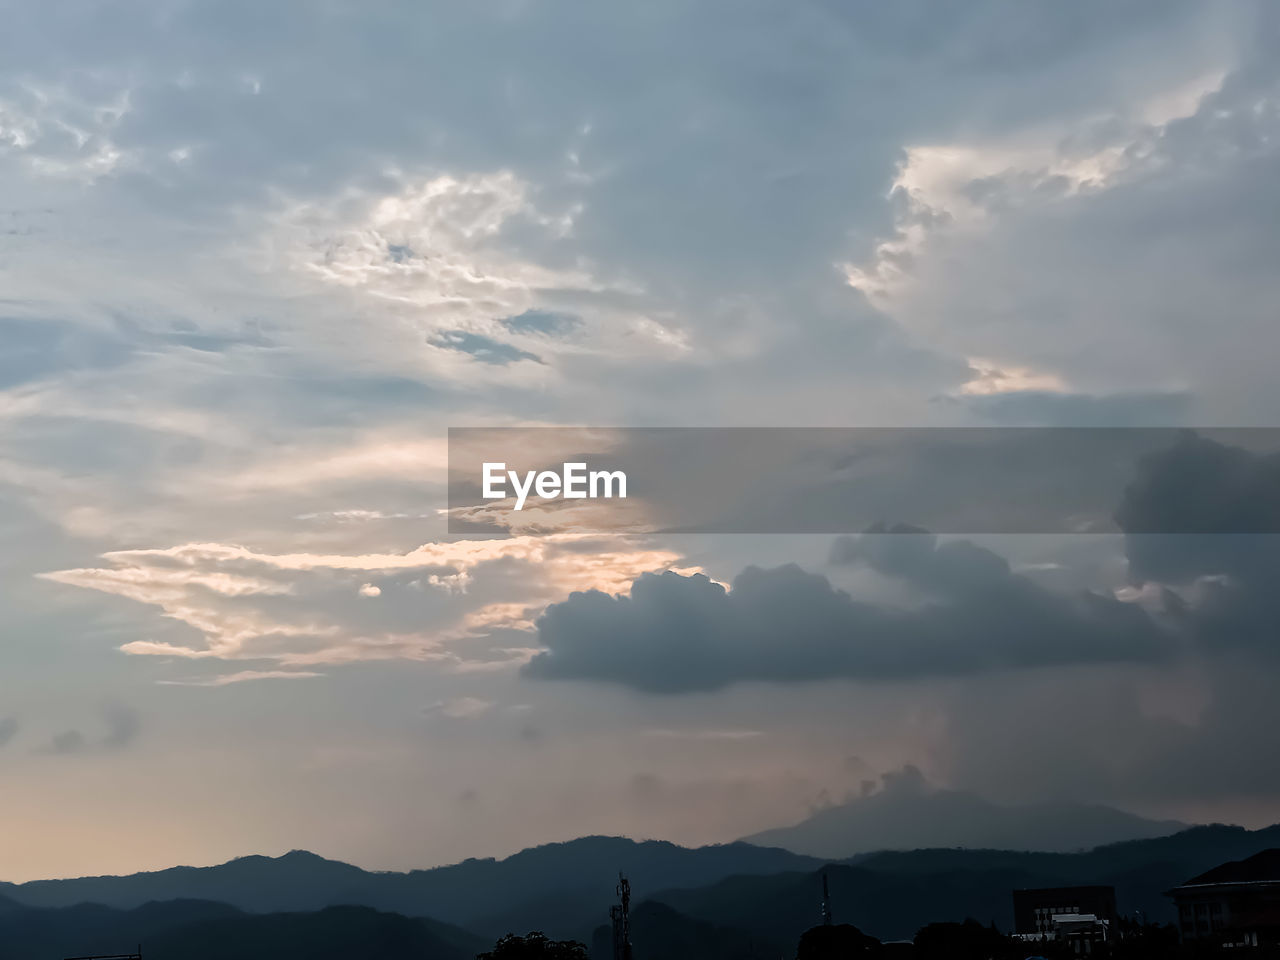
x: 1210, y: 732
x: 677, y: 634
x: 1226, y: 499
x: 1231, y: 581
x: 915, y: 555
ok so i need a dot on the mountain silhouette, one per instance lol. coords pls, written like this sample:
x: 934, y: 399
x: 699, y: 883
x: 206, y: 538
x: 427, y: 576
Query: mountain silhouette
x: 751, y: 901
x: 197, y: 929
x: 906, y: 814
x: 560, y: 888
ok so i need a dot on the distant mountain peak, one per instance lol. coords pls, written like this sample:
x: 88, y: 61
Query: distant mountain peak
x: 304, y: 856
x: 906, y: 813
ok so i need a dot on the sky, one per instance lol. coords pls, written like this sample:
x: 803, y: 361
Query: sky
x: 256, y: 259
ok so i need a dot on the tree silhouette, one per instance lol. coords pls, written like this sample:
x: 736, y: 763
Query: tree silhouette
x: 835, y: 942
x: 962, y: 941
x: 534, y: 946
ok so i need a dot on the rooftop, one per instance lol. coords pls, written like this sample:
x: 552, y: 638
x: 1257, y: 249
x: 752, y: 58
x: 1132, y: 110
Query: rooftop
x: 1260, y: 868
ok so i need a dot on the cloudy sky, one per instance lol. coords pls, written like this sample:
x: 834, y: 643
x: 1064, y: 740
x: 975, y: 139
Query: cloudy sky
x: 255, y: 259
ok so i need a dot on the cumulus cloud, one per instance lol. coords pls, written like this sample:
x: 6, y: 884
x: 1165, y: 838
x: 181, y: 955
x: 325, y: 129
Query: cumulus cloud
x: 969, y: 611
x: 1226, y: 498
x: 1042, y: 251
x: 676, y: 634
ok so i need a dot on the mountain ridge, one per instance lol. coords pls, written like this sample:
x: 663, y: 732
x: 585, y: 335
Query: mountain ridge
x: 893, y: 893
x: 562, y: 885
x: 565, y: 889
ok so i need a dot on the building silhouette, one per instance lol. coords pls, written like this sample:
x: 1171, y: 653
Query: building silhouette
x: 1236, y: 904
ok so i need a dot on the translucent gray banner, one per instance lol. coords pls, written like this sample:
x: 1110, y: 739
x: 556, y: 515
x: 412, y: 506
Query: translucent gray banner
x: 564, y: 480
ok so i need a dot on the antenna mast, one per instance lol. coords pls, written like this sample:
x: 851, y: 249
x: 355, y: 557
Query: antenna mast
x: 621, y: 917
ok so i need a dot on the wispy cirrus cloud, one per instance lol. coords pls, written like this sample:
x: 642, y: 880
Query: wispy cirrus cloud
x: 242, y: 676
x: 433, y: 603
